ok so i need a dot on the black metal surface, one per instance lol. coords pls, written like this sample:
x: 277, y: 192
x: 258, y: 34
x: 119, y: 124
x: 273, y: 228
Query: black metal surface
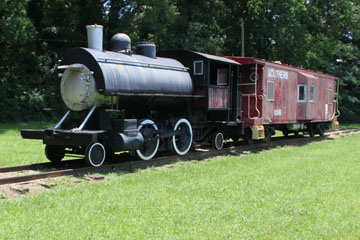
x: 63, y: 137
x: 121, y: 141
x: 32, y: 134
x: 123, y: 73
x: 147, y: 49
x: 120, y: 42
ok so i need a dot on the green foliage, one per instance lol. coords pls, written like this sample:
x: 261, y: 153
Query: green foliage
x: 348, y: 67
x: 35, y: 34
x: 24, y: 75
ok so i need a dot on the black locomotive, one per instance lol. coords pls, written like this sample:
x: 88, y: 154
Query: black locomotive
x: 141, y: 103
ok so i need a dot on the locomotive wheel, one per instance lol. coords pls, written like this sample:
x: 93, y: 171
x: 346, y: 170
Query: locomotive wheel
x: 151, y: 145
x: 54, y: 153
x: 217, y: 140
x: 181, y: 144
x: 95, y: 154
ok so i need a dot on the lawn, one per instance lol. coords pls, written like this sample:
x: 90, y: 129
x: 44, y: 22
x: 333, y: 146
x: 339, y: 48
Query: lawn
x: 350, y: 125
x: 14, y: 150
x: 307, y: 192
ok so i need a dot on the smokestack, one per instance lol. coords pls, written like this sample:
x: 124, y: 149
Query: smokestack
x: 95, y: 37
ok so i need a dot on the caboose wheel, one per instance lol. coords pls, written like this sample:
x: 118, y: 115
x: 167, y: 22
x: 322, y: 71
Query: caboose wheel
x: 285, y: 133
x: 151, y: 145
x: 54, y: 153
x: 95, y: 154
x: 248, y: 136
x: 181, y: 144
x: 312, y: 133
x: 217, y: 140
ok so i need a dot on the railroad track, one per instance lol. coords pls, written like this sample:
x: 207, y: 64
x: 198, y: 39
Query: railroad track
x: 76, y: 167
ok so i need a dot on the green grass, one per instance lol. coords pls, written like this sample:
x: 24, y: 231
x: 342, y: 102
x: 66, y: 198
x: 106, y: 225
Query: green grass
x: 14, y: 150
x: 307, y: 192
x: 349, y: 125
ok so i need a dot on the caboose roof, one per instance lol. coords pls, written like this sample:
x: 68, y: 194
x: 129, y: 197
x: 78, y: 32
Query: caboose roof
x: 215, y: 58
x: 186, y: 54
x: 250, y: 60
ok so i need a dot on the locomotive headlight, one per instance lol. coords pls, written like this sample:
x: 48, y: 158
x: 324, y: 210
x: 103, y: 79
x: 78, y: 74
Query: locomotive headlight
x: 77, y: 87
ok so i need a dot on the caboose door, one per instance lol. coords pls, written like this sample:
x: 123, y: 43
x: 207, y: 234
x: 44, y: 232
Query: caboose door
x: 301, y: 98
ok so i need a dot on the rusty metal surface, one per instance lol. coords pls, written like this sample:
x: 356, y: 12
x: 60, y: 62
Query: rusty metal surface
x: 218, y: 98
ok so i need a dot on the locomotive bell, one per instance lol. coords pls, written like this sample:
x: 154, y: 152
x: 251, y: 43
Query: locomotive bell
x: 77, y: 87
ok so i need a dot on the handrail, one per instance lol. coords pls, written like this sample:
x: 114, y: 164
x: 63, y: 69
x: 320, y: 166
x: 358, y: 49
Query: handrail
x: 256, y: 108
x: 141, y: 64
x: 336, y: 112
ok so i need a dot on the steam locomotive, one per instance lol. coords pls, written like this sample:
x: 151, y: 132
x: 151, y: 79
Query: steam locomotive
x: 141, y: 103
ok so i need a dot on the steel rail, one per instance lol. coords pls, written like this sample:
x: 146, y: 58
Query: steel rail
x: 38, y: 166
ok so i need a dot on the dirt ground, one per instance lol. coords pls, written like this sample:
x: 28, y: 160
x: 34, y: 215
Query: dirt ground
x: 19, y: 190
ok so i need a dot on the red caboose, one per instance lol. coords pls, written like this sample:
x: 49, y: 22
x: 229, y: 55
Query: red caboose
x: 286, y: 98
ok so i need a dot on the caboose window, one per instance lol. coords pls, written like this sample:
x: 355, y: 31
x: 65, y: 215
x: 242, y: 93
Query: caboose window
x: 198, y: 67
x: 312, y: 94
x: 331, y: 97
x: 301, y: 93
x: 270, y: 91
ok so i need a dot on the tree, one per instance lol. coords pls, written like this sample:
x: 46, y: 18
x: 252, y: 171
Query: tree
x: 21, y: 87
x: 322, y: 35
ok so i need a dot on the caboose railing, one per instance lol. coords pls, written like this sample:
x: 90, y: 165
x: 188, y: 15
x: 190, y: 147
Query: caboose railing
x: 252, y: 94
x: 336, y: 112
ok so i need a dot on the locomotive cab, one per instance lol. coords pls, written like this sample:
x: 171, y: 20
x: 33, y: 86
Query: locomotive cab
x: 216, y: 109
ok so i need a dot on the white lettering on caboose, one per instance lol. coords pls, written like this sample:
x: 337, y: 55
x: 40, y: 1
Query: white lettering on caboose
x: 275, y: 73
x: 277, y: 112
